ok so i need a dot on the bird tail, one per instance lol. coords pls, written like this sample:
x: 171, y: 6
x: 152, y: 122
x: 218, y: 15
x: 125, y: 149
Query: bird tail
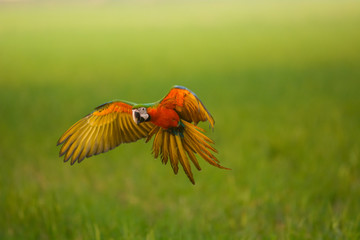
x: 181, y: 144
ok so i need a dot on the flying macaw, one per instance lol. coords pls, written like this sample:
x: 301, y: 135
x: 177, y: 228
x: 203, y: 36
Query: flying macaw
x: 172, y: 121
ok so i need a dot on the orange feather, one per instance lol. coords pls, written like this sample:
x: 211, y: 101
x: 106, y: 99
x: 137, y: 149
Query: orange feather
x: 172, y: 122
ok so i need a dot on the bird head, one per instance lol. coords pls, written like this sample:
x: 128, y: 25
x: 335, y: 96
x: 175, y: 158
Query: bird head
x: 139, y: 114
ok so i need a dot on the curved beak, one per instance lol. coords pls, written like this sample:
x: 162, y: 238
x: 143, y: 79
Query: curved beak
x: 139, y: 118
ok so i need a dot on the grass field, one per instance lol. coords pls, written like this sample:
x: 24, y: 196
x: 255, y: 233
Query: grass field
x: 281, y: 79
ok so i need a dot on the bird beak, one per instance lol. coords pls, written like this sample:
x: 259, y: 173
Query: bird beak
x: 139, y: 118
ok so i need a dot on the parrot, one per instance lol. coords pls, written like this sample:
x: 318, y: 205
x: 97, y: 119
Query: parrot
x: 172, y: 121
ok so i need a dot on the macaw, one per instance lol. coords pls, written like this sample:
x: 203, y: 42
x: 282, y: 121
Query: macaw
x: 172, y: 120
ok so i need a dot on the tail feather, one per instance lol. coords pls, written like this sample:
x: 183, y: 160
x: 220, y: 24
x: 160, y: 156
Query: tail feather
x: 183, y: 159
x: 182, y: 144
x: 165, y: 148
x: 158, y: 142
x: 192, y: 156
x: 205, y: 154
x: 173, y: 154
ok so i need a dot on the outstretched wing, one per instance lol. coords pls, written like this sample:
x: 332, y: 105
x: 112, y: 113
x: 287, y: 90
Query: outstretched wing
x: 102, y: 130
x: 187, y: 105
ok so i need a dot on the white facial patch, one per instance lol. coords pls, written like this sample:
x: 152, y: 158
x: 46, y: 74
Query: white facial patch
x: 142, y: 110
x: 133, y: 114
x: 140, y: 115
x: 143, y: 113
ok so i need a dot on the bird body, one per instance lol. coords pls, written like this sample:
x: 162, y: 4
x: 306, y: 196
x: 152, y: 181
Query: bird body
x: 172, y: 121
x: 163, y: 117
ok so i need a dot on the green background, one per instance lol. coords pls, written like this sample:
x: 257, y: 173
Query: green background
x: 281, y: 78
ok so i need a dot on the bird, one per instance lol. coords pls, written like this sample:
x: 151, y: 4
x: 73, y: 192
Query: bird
x: 172, y: 121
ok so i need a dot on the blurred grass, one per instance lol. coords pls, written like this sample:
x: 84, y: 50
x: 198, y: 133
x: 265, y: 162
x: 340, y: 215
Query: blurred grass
x: 280, y: 78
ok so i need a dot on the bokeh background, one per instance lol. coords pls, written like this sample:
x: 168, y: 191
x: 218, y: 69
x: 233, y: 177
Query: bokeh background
x: 281, y: 78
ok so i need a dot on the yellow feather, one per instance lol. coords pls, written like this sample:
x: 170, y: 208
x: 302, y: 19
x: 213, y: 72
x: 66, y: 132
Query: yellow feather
x: 173, y: 154
x: 94, y: 144
x: 157, y: 143
x: 130, y: 132
x: 74, y: 148
x: 193, y: 129
x: 146, y: 127
x: 101, y: 131
x: 100, y: 142
x: 116, y: 132
x: 68, y: 155
x: 208, y: 117
x: 69, y: 141
x: 165, y: 148
x: 87, y: 144
x: 191, y: 155
x: 152, y: 132
x: 133, y: 133
x: 199, y: 143
x: 122, y: 130
x: 64, y: 148
x: 111, y: 135
x: 134, y: 129
x: 72, y: 130
x: 126, y: 130
x: 105, y: 138
x: 183, y: 159
x: 201, y: 150
x: 81, y: 144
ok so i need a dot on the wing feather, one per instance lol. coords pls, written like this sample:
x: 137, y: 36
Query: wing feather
x: 100, y: 146
x: 87, y: 145
x: 152, y: 132
x: 184, y: 161
x: 165, y: 147
x: 116, y: 133
x: 187, y: 105
x: 192, y: 156
x: 105, y: 138
x: 79, y: 150
x: 158, y: 143
x: 69, y: 140
x: 121, y: 126
x: 104, y: 129
x: 74, y: 149
x: 127, y: 132
x: 147, y: 126
x: 135, y: 131
x: 173, y: 154
x: 94, y: 142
